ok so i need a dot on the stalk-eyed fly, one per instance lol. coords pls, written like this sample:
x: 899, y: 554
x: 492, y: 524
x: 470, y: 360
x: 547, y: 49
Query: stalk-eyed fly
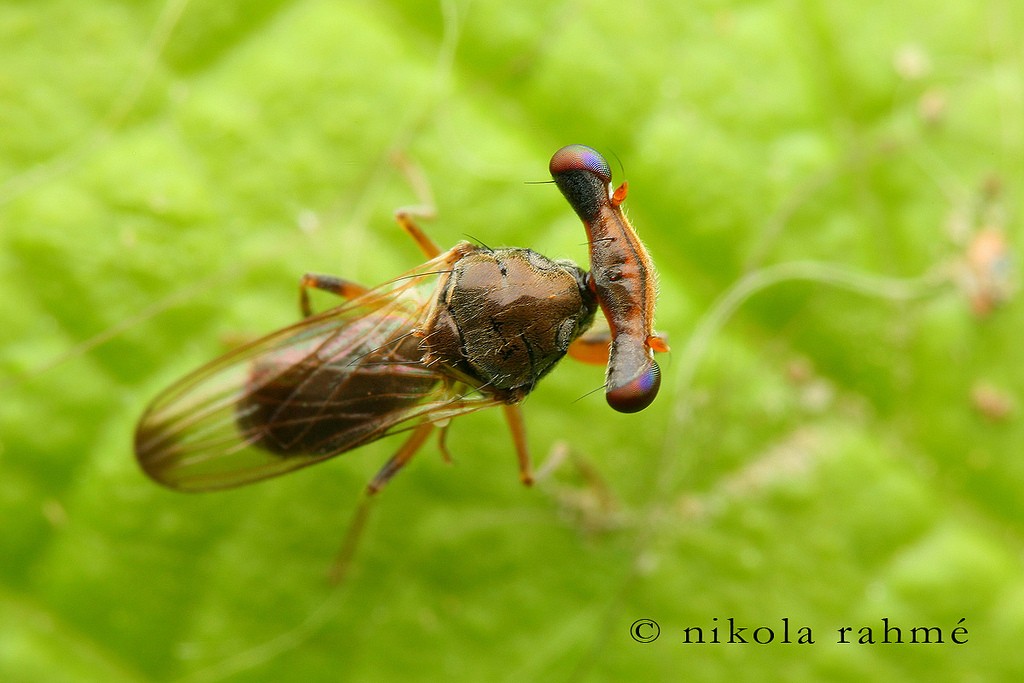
x: 472, y: 327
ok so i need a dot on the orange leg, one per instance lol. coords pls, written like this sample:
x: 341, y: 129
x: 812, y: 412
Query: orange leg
x: 592, y: 347
x: 424, y: 209
x: 326, y: 283
x: 406, y: 217
x: 399, y: 459
x: 442, y: 444
x: 350, y: 290
x: 426, y: 245
x: 349, y: 546
x: 514, y: 417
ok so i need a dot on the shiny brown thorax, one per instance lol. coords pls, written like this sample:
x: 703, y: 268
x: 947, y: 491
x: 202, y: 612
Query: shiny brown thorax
x: 503, y: 318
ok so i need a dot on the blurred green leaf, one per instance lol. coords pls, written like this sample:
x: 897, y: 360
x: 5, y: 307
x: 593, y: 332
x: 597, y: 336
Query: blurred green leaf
x: 842, y: 449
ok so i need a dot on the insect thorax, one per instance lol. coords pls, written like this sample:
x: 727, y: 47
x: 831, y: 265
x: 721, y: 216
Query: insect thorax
x: 505, y: 317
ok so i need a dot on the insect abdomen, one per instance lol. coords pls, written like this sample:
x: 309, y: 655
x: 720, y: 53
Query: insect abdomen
x: 302, y: 404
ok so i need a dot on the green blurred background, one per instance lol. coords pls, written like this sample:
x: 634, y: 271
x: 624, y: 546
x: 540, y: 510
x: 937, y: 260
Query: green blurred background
x: 834, y: 457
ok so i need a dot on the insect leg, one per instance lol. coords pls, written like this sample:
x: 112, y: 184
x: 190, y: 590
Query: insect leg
x: 442, y: 444
x: 514, y: 417
x: 585, y: 497
x: 343, y: 560
x: 399, y: 459
x: 405, y: 219
x: 424, y: 209
x: 592, y: 347
x: 326, y: 283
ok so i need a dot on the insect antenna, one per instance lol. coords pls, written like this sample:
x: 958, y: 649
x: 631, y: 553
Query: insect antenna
x: 479, y: 242
x: 617, y: 161
x: 592, y: 391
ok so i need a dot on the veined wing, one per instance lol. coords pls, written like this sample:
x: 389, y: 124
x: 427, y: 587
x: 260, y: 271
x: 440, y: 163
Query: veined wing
x: 308, y: 392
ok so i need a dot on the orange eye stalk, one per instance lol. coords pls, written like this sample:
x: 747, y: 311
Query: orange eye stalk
x: 622, y: 274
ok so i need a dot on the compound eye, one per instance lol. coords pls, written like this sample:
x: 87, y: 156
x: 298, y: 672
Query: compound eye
x: 637, y: 393
x: 580, y: 158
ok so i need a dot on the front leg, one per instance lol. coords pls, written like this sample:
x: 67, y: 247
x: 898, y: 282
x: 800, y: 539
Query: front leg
x: 346, y: 289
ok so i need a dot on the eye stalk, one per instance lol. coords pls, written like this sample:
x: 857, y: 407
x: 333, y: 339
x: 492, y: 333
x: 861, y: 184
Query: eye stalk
x: 622, y: 275
x: 580, y: 158
x: 637, y: 393
x: 584, y: 178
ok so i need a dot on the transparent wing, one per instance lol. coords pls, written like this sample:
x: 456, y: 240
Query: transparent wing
x: 326, y: 385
